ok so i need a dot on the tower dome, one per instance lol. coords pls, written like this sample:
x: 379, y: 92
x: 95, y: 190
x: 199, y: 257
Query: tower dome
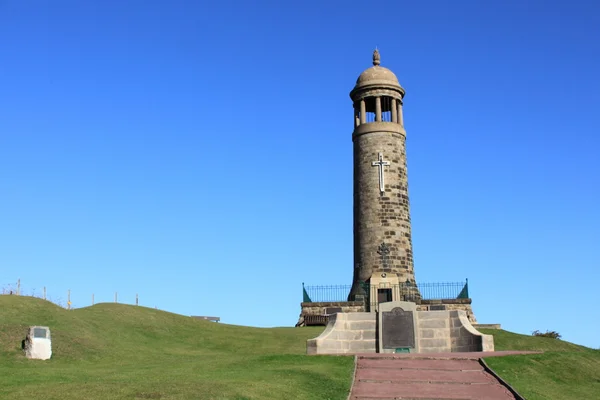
x: 376, y: 76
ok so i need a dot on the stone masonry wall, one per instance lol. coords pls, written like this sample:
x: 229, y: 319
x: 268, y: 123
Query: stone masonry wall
x: 436, y: 332
x: 448, y: 305
x: 464, y: 337
x: 433, y: 331
x: 346, y: 334
x: 382, y: 217
x: 450, y: 331
x: 319, y: 308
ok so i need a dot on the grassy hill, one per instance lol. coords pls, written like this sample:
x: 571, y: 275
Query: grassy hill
x: 116, y: 351
x: 564, y: 371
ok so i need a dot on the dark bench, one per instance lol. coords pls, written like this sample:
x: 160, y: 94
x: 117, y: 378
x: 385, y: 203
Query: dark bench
x: 321, y: 320
x: 316, y: 320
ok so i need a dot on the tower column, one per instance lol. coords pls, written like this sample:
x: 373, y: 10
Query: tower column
x: 382, y: 227
x: 400, y: 116
x: 363, y: 112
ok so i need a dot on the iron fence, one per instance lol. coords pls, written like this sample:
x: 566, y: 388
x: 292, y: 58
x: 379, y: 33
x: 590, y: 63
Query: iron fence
x: 424, y: 291
x: 313, y: 294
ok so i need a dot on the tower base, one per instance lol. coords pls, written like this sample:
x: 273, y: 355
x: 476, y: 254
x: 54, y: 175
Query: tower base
x: 319, y: 313
x: 400, y: 328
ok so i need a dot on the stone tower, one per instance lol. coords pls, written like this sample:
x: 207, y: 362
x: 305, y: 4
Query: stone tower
x: 383, y: 255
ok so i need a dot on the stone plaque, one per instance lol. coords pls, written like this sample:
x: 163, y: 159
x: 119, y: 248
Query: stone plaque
x: 437, y: 307
x: 37, y: 344
x: 398, y: 329
x: 39, y: 333
x: 333, y: 310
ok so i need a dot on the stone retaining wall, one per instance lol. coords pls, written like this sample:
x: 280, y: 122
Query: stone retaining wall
x: 346, y: 333
x: 320, y: 308
x: 448, y: 305
x: 450, y: 331
x: 464, y: 337
x: 435, y: 332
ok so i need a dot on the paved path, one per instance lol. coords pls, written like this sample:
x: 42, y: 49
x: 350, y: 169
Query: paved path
x: 439, y: 376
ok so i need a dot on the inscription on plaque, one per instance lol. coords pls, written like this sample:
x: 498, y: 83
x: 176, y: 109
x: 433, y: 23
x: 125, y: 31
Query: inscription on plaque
x: 39, y: 333
x: 398, y: 329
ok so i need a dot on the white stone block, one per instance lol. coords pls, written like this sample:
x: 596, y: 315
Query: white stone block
x: 38, y: 344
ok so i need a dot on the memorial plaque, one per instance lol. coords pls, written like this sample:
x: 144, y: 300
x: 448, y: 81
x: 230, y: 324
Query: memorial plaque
x: 438, y: 307
x: 398, y: 329
x: 39, y: 333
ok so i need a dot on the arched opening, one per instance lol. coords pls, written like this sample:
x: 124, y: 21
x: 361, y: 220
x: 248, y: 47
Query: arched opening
x: 370, y: 109
x: 374, y: 109
x: 386, y: 109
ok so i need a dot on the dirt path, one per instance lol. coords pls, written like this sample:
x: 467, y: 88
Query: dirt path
x: 446, y: 376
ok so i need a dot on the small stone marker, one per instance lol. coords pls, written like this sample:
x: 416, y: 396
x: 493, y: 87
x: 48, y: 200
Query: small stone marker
x: 38, y: 345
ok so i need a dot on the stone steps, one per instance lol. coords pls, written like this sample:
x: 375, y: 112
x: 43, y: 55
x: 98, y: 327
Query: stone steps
x: 380, y: 378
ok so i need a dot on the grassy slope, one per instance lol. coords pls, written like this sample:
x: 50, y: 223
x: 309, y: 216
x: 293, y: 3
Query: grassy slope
x: 565, y: 370
x: 115, y: 351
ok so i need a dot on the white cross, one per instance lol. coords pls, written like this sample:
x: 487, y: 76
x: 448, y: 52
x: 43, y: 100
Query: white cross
x: 380, y: 163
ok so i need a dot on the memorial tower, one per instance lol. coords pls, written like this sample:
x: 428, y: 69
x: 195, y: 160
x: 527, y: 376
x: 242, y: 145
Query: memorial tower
x: 383, y: 256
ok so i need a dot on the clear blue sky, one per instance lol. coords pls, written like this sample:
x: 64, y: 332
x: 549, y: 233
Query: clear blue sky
x: 200, y: 154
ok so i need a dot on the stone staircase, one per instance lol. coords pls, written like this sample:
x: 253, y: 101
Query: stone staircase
x: 425, y: 377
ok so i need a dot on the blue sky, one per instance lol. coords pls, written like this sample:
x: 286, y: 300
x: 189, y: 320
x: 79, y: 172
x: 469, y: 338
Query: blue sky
x: 199, y: 154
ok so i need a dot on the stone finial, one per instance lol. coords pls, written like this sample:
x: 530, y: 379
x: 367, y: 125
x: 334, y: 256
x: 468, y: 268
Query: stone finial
x: 376, y: 57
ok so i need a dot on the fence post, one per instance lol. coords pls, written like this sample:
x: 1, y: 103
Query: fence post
x: 92, y: 298
x: 18, y: 287
x: 69, y: 299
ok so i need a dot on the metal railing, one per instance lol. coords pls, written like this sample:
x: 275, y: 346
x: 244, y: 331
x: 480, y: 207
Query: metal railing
x: 424, y: 291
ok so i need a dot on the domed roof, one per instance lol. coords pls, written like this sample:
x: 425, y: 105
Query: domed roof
x: 377, y: 75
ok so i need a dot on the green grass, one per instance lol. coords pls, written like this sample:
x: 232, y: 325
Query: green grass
x: 564, y: 371
x: 115, y: 351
